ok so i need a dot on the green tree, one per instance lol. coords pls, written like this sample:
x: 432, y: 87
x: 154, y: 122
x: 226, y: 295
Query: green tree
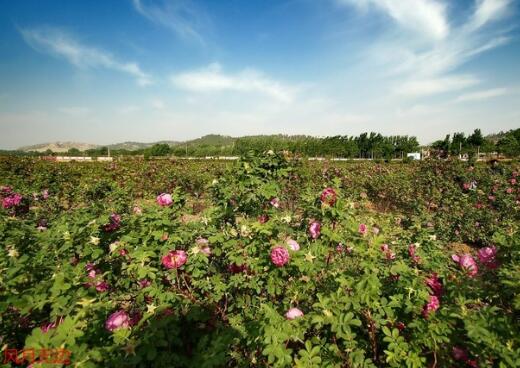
x: 73, y: 151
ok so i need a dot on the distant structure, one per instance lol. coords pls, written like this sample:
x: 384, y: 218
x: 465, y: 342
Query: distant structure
x: 76, y: 158
x: 414, y: 155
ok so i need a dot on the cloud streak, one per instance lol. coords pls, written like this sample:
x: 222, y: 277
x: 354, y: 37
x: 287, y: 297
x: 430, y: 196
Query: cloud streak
x: 425, y: 16
x: 60, y: 44
x: 213, y: 79
x: 426, y: 87
x: 432, y: 67
x: 180, y: 16
x: 482, y: 95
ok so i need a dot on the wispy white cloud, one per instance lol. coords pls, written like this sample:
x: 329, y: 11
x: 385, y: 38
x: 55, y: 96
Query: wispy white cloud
x: 482, y: 95
x: 488, y: 11
x: 426, y: 87
x: 433, y: 67
x: 181, y: 16
x: 61, y: 44
x: 213, y: 79
x: 425, y: 16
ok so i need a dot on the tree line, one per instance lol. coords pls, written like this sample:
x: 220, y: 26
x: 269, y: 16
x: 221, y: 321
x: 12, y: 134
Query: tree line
x: 504, y: 143
x: 367, y: 145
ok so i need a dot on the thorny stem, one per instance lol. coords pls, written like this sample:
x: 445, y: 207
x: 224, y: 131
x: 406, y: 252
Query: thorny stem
x: 372, y: 334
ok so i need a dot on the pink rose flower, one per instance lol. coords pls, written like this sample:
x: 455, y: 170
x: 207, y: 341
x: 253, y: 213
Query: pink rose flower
x: 362, y: 229
x: 164, y: 199
x: 411, y: 252
x: 203, y: 245
x: 435, y: 285
x: 45, y: 194
x: 487, y: 256
x: 144, y: 283
x: 174, y: 259
x: 49, y: 326
x: 293, y: 313
x: 275, y: 202
x: 102, y: 286
x: 467, y: 263
x: 384, y: 248
x: 509, y: 190
x: 459, y: 354
x: 114, y: 222
x: 293, y: 244
x: 430, y: 307
x: 12, y: 201
x: 375, y: 230
x: 116, y: 320
x: 137, y: 210
x: 279, y: 256
x: 263, y: 218
x: 328, y: 196
x: 315, y: 229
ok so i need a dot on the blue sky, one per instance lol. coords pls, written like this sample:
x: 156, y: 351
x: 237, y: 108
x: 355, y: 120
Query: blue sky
x: 147, y: 70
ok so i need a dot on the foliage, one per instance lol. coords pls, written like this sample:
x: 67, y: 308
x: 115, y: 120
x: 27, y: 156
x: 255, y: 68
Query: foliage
x: 91, y: 242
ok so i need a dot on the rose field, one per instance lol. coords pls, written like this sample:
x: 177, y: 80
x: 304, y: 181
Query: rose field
x: 269, y: 261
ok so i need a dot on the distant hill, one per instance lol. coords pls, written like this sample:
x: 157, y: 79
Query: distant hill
x: 58, y: 147
x: 134, y: 146
x: 210, y: 139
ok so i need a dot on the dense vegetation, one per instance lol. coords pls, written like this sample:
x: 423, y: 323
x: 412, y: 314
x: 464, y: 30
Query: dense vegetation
x: 373, y: 145
x: 268, y: 261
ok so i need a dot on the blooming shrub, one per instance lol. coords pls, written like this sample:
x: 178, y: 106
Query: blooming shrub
x: 308, y: 286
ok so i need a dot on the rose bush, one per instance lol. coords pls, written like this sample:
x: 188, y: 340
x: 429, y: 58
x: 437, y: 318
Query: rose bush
x: 310, y: 285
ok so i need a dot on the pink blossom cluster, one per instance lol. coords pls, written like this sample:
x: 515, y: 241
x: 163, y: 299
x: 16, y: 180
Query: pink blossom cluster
x: 293, y: 313
x: 467, y: 263
x: 431, y: 306
x: 114, y: 222
x: 389, y: 254
x: 275, y: 202
x: 203, y: 245
x: 411, y: 251
x: 363, y: 229
x: 461, y: 355
x: 314, y: 229
x: 164, y: 199
x: 435, y: 284
x: 328, y: 196
x: 50, y: 326
x: 174, y: 259
x: 293, y: 244
x: 434, y: 299
x: 144, y: 283
x: 12, y: 200
x: 116, y: 320
x: 263, y: 218
x: 487, y: 256
x: 93, y: 273
x: 280, y: 256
